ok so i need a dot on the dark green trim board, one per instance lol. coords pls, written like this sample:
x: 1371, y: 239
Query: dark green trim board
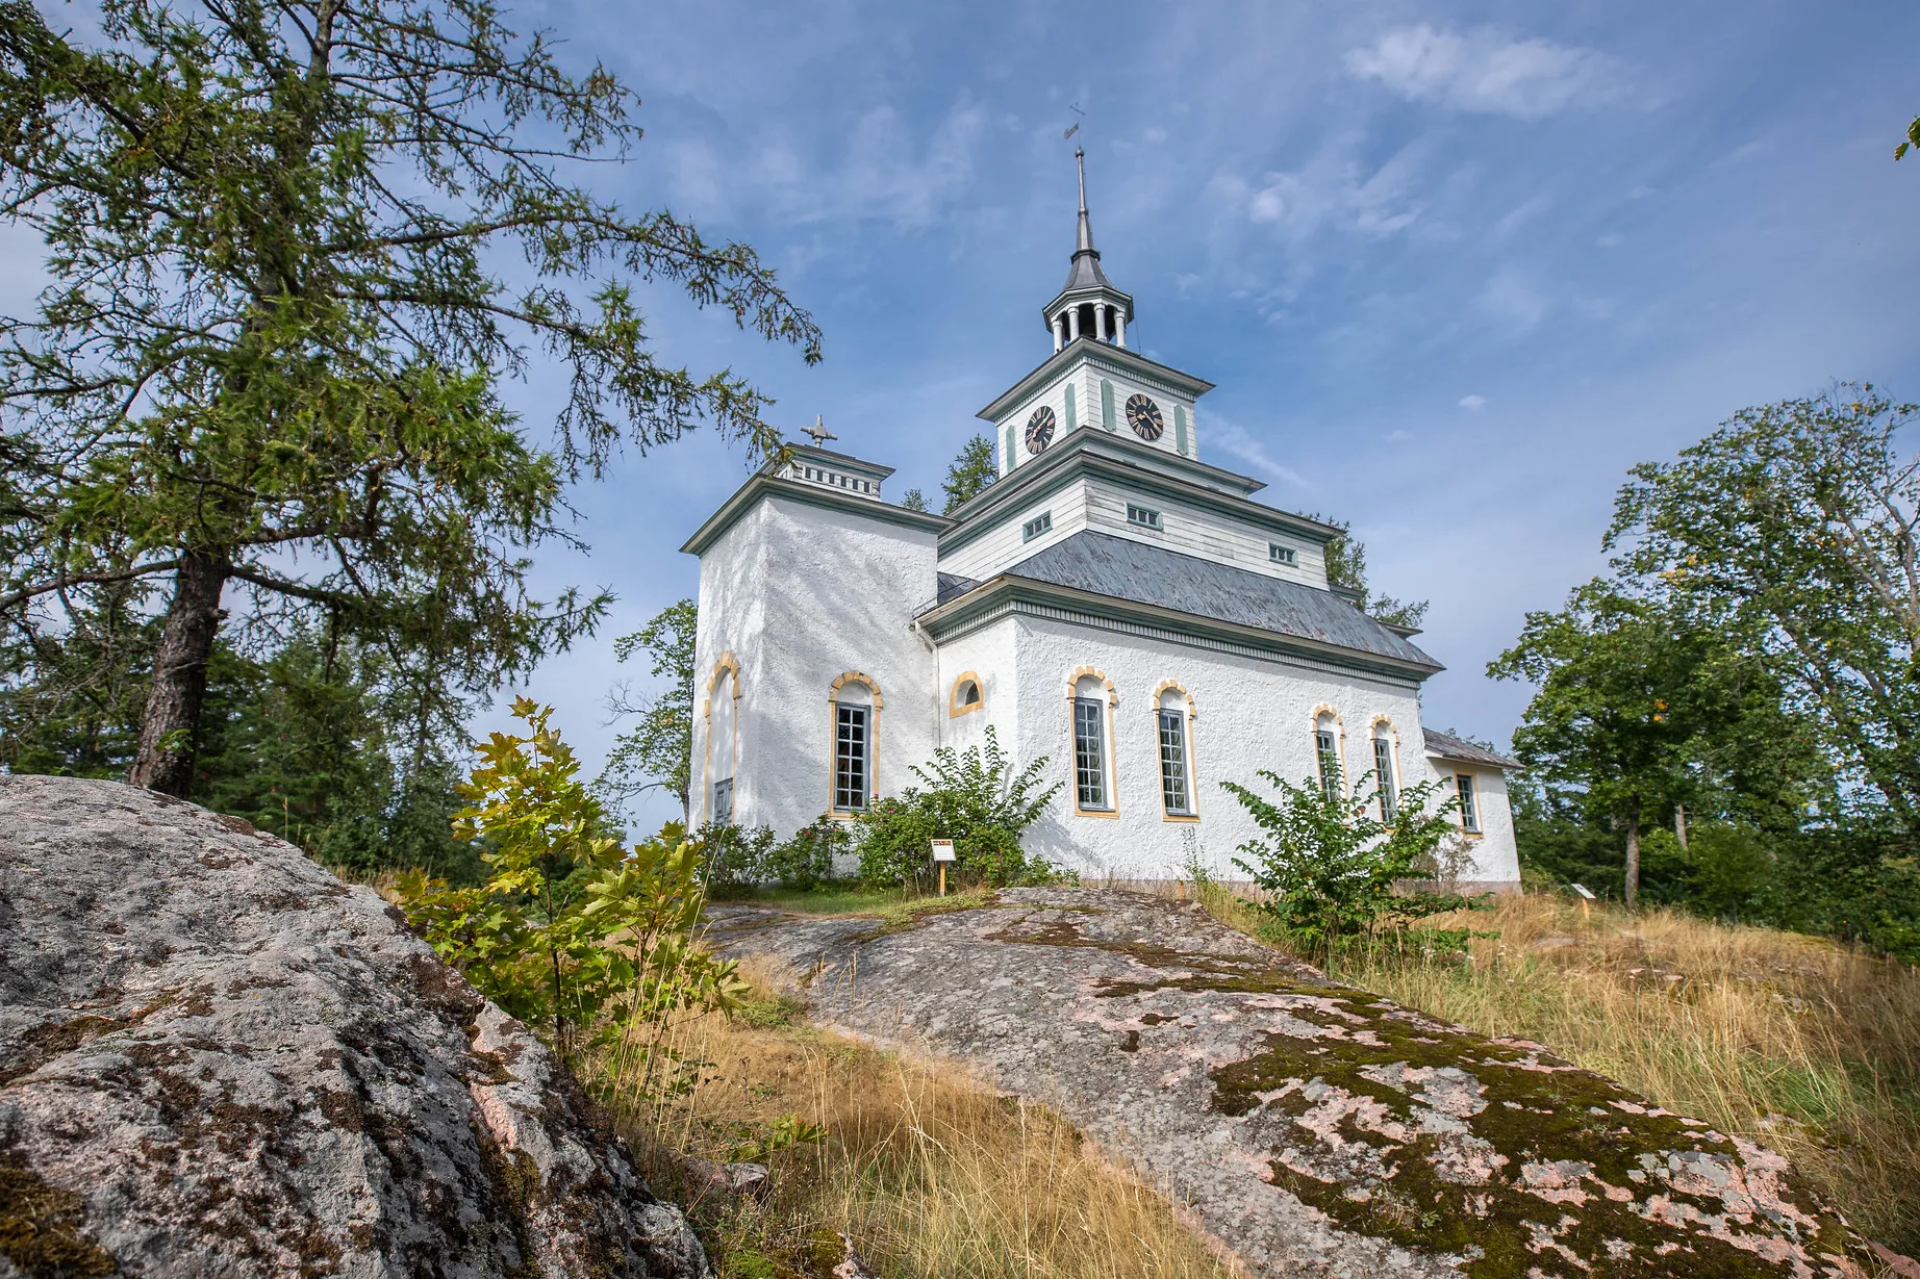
x: 1106, y: 404
x: 1180, y: 429
x: 1071, y: 420
x: 1013, y: 458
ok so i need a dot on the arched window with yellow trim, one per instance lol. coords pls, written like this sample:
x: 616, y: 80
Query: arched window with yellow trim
x: 723, y: 738
x: 1090, y: 697
x: 854, y: 718
x: 1386, y: 771
x: 1173, y: 722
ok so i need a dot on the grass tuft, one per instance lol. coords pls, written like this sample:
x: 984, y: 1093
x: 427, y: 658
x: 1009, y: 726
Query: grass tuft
x: 930, y: 1172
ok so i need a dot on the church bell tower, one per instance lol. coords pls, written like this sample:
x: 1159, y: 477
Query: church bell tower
x: 1089, y: 306
x: 1091, y: 381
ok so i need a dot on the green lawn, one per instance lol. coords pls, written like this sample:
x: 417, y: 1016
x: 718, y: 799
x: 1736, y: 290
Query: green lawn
x: 895, y: 904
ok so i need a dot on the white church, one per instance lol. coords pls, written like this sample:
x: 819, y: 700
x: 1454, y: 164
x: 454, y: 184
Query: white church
x: 1111, y: 602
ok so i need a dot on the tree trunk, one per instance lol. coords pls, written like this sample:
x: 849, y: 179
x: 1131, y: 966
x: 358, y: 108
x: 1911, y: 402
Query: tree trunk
x: 1633, y: 856
x: 171, y: 725
x: 1680, y: 825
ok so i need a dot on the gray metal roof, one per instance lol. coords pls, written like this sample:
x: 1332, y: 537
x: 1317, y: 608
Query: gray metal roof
x: 1447, y: 746
x: 1121, y: 567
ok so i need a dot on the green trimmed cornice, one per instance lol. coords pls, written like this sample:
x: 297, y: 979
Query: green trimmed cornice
x: 766, y: 486
x: 1085, y: 452
x: 1113, y: 359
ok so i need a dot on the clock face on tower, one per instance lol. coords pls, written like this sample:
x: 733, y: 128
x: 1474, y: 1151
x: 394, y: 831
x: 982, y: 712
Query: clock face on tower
x: 1039, y: 429
x: 1143, y: 415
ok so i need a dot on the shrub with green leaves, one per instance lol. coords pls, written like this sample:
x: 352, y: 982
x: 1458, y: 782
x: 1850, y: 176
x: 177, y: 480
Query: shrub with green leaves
x: 591, y: 944
x: 806, y: 861
x: 972, y: 797
x: 735, y: 857
x: 1331, y: 869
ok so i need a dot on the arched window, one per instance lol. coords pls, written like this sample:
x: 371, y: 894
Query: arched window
x: 1090, y: 694
x: 1386, y: 780
x: 854, y: 717
x: 966, y: 696
x: 1326, y: 749
x: 723, y: 738
x: 1173, y: 715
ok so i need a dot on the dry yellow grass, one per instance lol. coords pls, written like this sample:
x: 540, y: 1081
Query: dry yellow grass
x: 928, y: 1171
x: 1810, y: 1047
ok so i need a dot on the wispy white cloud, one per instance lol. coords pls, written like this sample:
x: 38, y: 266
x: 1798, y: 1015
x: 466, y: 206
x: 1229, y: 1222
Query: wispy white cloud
x: 1514, y: 300
x: 878, y: 169
x: 1473, y: 403
x: 1486, y: 72
x: 1237, y: 442
x: 1331, y: 191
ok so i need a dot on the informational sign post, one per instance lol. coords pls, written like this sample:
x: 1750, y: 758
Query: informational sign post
x: 1586, y: 900
x: 942, y: 854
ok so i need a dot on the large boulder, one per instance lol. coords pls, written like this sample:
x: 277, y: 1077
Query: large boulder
x: 1317, y: 1131
x: 217, y: 1059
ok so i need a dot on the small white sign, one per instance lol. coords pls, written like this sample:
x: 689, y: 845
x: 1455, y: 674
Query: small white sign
x: 1582, y: 890
x: 943, y: 850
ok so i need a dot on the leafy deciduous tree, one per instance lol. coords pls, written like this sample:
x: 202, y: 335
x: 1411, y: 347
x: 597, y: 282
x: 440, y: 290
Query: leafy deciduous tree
x: 658, y: 753
x: 279, y: 241
x: 1797, y: 522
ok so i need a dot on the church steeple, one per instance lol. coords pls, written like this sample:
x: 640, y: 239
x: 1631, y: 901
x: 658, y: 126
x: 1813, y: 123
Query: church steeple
x: 1089, y: 306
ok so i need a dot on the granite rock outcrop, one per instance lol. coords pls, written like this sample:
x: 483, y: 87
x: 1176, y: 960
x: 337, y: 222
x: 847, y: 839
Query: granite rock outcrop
x: 216, y: 1059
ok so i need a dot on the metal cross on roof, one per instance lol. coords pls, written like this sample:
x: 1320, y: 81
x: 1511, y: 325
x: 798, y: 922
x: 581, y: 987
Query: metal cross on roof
x: 819, y: 432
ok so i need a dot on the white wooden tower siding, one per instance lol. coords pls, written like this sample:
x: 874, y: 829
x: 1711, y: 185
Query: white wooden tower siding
x: 1112, y: 603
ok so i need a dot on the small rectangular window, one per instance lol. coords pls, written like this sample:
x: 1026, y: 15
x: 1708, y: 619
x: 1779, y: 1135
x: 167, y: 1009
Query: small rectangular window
x: 1142, y: 516
x: 850, y: 759
x: 1469, y: 803
x: 1282, y: 554
x: 1041, y: 523
x: 1089, y: 753
x: 1173, y: 763
x: 723, y: 802
x: 1383, y: 778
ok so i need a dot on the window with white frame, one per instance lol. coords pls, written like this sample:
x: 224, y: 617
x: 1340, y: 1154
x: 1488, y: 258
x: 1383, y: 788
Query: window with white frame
x: 1041, y: 523
x: 1176, y: 755
x: 1326, y: 753
x: 1282, y: 554
x: 853, y: 724
x: 1384, y: 781
x: 1469, y: 802
x: 1142, y: 516
x: 1091, y: 789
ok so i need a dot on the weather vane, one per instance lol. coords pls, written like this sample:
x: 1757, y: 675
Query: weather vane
x: 1075, y: 126
x: 819, y: 432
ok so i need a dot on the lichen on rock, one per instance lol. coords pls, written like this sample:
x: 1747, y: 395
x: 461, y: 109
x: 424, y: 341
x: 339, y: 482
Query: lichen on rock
x: 216, y: 1059
x: 1314, y: 1129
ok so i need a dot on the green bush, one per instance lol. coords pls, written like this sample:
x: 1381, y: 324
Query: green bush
x: 971, y: 797
x: 1332, y: 870
x: 591, y: 944
x: 806, y: 861
x: 735, y: 857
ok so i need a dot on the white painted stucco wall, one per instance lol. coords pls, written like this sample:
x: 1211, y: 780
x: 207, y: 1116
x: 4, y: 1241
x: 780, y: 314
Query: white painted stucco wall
x: 1249, y: 714
x: 802, y: 595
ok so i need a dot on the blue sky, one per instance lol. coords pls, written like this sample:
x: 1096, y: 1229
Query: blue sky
x: 1453, y: 268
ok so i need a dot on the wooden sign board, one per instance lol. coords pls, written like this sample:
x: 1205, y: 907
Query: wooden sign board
x: 943, y: 850
x: 1582, y: 890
